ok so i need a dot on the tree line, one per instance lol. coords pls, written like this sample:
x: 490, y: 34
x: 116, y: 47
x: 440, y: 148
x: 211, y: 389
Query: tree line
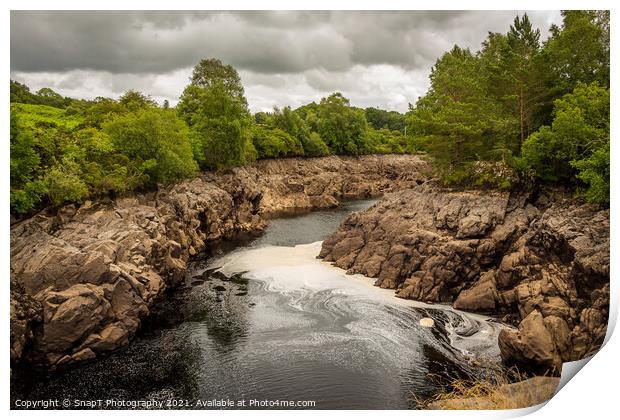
x: 520, y: 111
x: 67, y: 150
x: 516, y: 113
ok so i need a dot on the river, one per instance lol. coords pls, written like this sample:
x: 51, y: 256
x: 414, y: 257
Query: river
x: 266, y: 322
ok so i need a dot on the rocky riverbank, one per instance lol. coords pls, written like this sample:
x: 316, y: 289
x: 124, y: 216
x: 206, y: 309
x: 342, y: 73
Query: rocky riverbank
x: 541, y: 262
x: 83, y: 277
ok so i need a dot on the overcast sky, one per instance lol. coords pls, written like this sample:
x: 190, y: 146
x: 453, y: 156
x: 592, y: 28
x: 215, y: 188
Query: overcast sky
x: 380, y: 59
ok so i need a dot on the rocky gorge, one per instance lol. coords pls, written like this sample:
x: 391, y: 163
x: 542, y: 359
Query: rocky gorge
x: 538, y: 260
x: 83, y: 278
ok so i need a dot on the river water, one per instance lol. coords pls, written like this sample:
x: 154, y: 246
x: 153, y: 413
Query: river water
x: 268, y: 323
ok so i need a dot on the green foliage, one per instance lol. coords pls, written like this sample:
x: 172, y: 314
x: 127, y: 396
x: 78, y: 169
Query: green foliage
x: 594, y: 171
x: 578, y: 51
x: 385, y: 141
x: 211, y: 81
x: 516, y: 106
x: 102, y: 110
x: 215, y: 108
x: 379, y: 118
x: 274, y: 142
x: 482, y: 174
x: 33, y: 116
x: 20, y: 93
x: 220, y: 143
x: 342, y: 127
x: 314, y: 145
x: 456, y: 121
x: 62, y: 155
x: 25, y: 192
x: 505, y: 105
x: 103, y: 168
x: 576, y: 145
x: 133, y: 100
x: 211, y: 71
x: 155, y: 141
x: 292, y: 123
x: 263, y: 118
x: 64, y: 184
x: 512, y: 68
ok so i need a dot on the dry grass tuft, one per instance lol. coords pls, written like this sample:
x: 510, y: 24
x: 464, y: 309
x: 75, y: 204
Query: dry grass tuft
x: 500, y: 390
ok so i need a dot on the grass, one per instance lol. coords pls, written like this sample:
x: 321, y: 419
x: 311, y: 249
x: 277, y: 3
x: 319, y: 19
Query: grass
x: 500, y: 390
x: 31, y: 116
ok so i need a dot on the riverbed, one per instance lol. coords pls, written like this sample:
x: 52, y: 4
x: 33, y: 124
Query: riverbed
x: 265, y: 322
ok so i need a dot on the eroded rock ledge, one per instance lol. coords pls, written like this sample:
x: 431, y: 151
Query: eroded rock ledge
x: 542, y: 263
x: 82, y: 278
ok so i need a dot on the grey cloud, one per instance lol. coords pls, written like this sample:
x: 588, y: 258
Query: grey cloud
x: 265, y: 41
x: 376, y: 58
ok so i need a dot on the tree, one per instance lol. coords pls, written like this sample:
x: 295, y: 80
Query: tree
x: 133, y: 100
x: 578, y: 51
x: 314, y: 145
x: 456, y: 120
x: 101, y: 111
x: 514, y: 69
x: 47, y: 96
x: 291, y: 122
x: 214, y: 107
x: 594, y: 171
x: 211, y: 71
x: 211, y: 74
x: 156, y: 142
x: 273, y: 143
x: 219, y: 143
x: 380, y: 118
x: 102, y: 167
x: 385, y: 141
x: 220, y: 129
x: 342, y: 127
x: 263, y: 118
x: 25, y: 190
x: 576, y: 145
x: 166, y: 104
x: 21, y: 93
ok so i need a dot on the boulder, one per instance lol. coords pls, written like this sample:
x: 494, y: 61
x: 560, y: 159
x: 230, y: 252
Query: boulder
x: 481, y: 297
x: 532, y: 345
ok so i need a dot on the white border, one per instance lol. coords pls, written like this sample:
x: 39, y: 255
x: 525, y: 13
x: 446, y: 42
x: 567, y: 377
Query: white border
x: 592, y: 395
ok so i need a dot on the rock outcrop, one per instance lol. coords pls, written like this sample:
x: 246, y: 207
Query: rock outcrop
x: 541, y: 263
x: 83, y: 277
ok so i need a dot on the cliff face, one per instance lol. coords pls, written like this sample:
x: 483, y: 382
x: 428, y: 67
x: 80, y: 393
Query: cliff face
x: 83, y: 278
x: 542, y: 264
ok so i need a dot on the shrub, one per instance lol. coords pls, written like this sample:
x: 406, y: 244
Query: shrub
x: 595, y: 172
x: 156, y: 142
x: 576, y: 145
x: 314, y: 145
x: 272, y: 143
x: 64, y: 184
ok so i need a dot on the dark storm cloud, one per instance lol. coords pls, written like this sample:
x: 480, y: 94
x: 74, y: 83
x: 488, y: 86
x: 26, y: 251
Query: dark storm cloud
x: 155, y: 42
x: 264, y: 42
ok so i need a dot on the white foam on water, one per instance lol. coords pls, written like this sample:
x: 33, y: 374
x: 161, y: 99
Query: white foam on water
x: 296, y: 273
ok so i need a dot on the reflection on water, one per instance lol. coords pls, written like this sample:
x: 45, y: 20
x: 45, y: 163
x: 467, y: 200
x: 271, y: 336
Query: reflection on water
x: 309, y: 227
x: 269, y: 321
